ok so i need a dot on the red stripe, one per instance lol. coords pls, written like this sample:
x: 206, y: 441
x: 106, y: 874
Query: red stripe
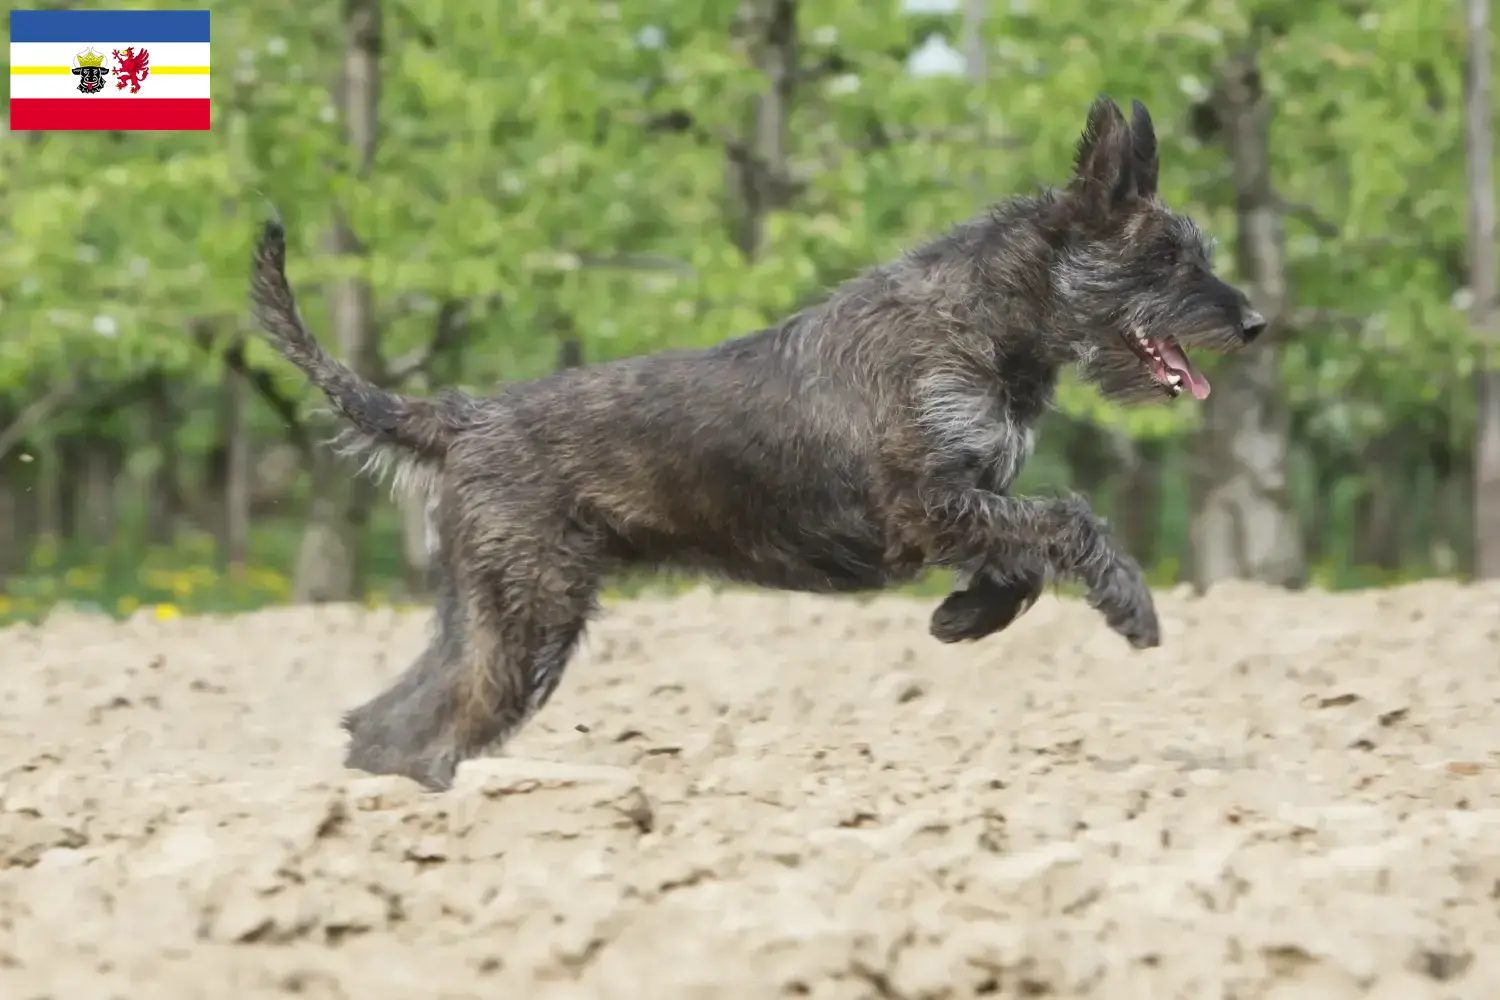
x: 117, y: 114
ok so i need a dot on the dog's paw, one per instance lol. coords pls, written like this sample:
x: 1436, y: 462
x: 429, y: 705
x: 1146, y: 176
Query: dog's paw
x: 985, y: 607
x: 433, y: 770
x: 1125, y: 599
x: 1141, y: 629
x: 387, y: 737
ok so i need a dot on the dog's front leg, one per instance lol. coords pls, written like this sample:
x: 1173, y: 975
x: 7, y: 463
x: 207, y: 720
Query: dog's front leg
x: 1062, y: 536
x: 986, y: 598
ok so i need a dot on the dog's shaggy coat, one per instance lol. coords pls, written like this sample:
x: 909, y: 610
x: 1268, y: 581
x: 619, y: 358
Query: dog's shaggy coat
x: 846, y: 449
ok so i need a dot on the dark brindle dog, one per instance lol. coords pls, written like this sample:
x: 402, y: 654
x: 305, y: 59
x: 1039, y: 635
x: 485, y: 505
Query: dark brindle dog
x: 846, y: 449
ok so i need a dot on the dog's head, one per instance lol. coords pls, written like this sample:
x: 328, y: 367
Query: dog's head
x: 1135, y: 284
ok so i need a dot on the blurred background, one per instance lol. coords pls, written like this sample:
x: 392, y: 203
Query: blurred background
x: 481, y: 192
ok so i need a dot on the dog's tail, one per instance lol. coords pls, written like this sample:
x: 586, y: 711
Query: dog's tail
x: 418, y: 430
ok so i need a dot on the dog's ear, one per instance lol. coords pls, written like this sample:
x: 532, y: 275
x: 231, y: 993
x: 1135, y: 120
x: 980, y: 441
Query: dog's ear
x: 1144, y: 165
x: 1102, y: 164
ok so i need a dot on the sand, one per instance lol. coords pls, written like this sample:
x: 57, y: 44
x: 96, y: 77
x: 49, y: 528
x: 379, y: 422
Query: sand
x: 746, y: 796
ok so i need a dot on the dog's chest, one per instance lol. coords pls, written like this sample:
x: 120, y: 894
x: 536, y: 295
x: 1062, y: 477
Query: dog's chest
x: 1021, y: 397
x: 1012, y: 445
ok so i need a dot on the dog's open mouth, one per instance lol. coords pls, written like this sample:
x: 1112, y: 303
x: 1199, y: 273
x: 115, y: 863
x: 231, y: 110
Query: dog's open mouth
x: 1169, y: 365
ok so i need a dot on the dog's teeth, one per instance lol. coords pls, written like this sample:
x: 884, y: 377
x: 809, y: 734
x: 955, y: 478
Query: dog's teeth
x: 1174, y: 378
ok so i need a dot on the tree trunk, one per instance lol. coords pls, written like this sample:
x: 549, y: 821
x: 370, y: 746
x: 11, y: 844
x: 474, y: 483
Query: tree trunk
x: 1378, y: 527
x: 1326, y: 468
x: 756, y: 168
x: 102, y: 461
x: 235, y: 534
x: 13, y: 543
x: 1479, y: 139
x: 12, y: 540
x: 328, y: 564
x: 971, y: 41
x: 1244, y: 523
x: 162, y: 486
x: 18, y: 474
x: 977, y: 69
x: 325, y: 559
x: 569, y: 351
x: 1451, y: 549
x: 71, y: 458
x: 1091, y: 455
x: 50, y: 522
x: 1140, y: 500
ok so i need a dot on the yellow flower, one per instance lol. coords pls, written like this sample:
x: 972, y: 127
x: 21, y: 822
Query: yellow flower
x: 167, y: 612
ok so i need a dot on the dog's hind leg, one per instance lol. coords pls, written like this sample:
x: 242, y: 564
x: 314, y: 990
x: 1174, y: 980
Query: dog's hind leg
x: 512, y: 622
x: 403, y: 729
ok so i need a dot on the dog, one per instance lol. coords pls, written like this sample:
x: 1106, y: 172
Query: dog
x: 848, y: 448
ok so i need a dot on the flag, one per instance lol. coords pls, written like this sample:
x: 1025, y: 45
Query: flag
x: 127, y: 70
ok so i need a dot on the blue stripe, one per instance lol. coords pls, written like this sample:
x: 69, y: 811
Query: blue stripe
x: 87, y: 27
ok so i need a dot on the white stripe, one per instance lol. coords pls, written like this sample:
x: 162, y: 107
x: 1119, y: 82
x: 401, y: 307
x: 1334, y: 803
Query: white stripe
x: 62, y: 53
x: 47, y: 85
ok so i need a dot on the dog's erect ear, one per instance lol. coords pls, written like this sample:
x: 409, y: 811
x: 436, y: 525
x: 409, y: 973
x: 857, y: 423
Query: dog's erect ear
x: 1102, y: 164
x: 1144, y: 166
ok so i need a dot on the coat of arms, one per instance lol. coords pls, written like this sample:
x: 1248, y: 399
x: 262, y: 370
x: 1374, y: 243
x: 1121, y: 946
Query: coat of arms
x: 89, y: 67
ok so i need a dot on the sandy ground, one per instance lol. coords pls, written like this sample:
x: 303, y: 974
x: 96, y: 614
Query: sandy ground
x: 772, y: 796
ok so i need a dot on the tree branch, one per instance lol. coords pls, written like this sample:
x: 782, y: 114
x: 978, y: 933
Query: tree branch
x: 1310, y: 317
x: 452, y: 320
x: 425, y: 35
x: 1309, y: 217
x: 265, y: 386
x: 37, y: 413
x: 681, y: 121
x: 263, y: 383
x: 637, y: 262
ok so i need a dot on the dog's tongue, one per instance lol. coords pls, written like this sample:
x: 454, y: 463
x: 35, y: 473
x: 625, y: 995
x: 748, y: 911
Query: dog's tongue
x: 1173, y: 358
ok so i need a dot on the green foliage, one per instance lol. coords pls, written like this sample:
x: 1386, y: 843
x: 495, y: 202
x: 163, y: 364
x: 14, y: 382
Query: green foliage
x: 516, y: 152
x: 522, y: 168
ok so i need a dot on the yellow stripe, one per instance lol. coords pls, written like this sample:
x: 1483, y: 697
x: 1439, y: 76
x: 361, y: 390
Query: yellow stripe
x: 155, y: 70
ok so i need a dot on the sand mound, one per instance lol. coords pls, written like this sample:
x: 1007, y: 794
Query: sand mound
x: 766, y: 796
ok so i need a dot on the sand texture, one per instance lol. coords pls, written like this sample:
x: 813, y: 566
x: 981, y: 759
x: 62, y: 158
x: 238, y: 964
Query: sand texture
x: 758, y: 796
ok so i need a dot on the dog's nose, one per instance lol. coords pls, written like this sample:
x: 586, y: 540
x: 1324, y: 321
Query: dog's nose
x: 1253, y: 323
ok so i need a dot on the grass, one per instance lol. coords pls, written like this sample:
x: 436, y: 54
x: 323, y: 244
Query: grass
x: 121, y: 581
x: 189, y: 578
